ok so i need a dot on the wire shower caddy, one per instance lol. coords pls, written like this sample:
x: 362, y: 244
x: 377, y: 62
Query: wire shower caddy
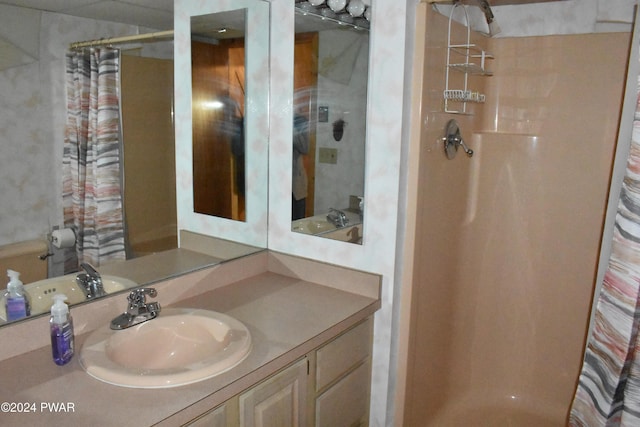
x: 472, y: 61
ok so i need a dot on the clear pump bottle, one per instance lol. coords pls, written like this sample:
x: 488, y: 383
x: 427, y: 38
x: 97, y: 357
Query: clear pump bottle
x: 61, y: 325
x: 16, y: 300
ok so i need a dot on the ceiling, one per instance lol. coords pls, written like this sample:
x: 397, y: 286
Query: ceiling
x: 513, y: 2
x: 154, y: 14
x: 494, y: 2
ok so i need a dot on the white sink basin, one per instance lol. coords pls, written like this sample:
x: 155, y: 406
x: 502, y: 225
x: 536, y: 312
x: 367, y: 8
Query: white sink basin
x: 41, y: 292
x: 179, y: 347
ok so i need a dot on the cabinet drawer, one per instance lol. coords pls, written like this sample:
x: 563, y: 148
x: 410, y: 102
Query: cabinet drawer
x: 347, y: 402
x: 342, y: 354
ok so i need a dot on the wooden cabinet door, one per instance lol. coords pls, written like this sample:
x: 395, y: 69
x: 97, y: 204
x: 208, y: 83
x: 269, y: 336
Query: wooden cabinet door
x: 279, y: 401
x: 214, y: 418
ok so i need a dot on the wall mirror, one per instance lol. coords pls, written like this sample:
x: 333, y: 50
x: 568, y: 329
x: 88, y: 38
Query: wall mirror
x: 33, y: 134
x: 222, y: 54
x: 331, y: 59
x: 252, y: 230
x: 217, y: 90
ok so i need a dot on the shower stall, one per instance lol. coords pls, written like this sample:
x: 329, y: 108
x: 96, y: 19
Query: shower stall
x: 506, y: 242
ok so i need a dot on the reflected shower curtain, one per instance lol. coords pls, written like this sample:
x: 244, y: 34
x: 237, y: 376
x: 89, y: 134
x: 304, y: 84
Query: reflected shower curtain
x: 91, y: 191
x: 608, y: 392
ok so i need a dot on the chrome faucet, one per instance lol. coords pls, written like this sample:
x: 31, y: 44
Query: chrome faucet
x: 337, y: 217
x: 90, y: 281
x: 138, y: 310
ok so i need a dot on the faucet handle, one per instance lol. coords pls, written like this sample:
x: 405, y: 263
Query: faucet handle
x: 91, y: 281
x: 91, y: 271
x: 138, y: 297
x: 337, y: 217
x: 138, y: 311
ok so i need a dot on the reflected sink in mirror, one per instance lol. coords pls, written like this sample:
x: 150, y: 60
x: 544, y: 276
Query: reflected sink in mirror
x: 179, y: 347
x: 319, y: 225
x: 312, y: 225
x: 41, y: 292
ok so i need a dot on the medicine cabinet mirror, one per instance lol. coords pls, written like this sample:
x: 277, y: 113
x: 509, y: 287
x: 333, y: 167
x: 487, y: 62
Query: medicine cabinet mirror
x: 222, y: 52
x: 331, y: 59
x: 217, y: 90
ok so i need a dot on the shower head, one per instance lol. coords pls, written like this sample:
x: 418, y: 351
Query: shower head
x: 494, y: 28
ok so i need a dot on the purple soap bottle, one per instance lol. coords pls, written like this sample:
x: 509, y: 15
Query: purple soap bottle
x: 61, y: 325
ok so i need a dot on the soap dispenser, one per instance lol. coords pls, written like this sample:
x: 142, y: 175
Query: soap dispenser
x: 61, y: 326
x: 16, y: 300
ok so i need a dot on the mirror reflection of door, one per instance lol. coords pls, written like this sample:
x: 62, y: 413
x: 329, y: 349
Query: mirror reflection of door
x: 218, y: 82
x: 305, y: 81
x: 149, y: 155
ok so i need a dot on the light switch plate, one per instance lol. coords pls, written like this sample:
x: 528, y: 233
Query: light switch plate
x: 328, y: 155
x: 323, y: 114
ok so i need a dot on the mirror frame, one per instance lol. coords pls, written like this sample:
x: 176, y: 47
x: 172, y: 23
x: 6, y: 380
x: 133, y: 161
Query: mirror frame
x: 253, y: 231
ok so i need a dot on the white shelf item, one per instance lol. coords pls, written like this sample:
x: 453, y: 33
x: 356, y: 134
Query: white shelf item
x: 468, y: 59
x: 463, y: 96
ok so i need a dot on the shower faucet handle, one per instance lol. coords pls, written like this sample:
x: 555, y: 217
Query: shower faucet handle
x: 453, y: 140
x: 466, y: 149
x: 458, y: 142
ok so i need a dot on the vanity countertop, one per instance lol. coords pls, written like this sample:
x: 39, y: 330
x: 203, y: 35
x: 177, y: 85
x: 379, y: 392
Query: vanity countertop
x: 290, y: 306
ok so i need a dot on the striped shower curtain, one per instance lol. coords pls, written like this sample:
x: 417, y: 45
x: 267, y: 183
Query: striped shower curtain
x: 91, y: 191
x: 608, y: 392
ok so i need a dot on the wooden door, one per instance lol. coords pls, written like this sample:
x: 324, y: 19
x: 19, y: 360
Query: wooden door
x: 217, y: 77
x: 149, y: 154
x: 305, y: 83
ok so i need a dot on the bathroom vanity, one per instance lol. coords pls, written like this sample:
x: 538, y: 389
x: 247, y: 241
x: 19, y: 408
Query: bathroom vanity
x: 311, y: 328
x: 327, y: 387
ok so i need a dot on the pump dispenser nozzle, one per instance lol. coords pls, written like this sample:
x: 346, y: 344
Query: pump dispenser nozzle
x: 14, y: 284
x: 59, y: 310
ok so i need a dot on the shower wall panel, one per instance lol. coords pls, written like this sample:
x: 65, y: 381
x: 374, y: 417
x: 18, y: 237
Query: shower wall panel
x: 507, y: 241
x: 443, y: 191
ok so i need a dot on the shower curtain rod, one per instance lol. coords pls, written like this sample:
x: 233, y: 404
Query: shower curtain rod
x: 124, y: 39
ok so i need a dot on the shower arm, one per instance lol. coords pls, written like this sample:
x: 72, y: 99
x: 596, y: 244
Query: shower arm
x: 486, y: 9
x: 484, y: 6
